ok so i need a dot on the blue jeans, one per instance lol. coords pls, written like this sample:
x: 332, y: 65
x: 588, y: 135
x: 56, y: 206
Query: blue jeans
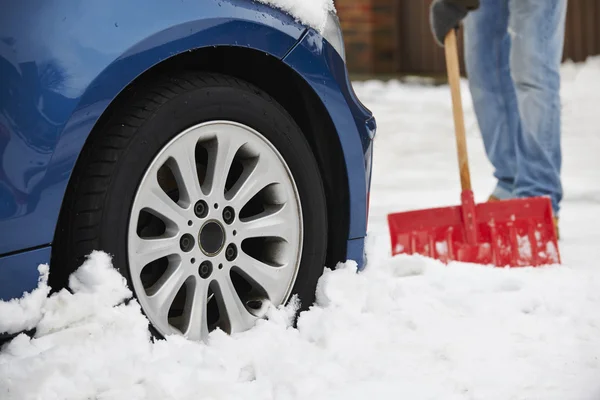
x: 513, y: 51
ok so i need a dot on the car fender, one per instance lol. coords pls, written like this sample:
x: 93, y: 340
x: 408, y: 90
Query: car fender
x: 70, y: 59
x: 321, y: 67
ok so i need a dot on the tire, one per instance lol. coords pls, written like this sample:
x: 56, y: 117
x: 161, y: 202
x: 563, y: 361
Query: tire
x: 105, y: 205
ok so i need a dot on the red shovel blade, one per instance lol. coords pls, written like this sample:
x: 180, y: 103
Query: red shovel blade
x: 511, y: 233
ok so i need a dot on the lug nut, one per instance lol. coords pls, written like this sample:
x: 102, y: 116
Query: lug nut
x: 228, y: 215
x: 201, y: 209
x: 231, y: 252
x: 205, y: 269
x: 186, y: 242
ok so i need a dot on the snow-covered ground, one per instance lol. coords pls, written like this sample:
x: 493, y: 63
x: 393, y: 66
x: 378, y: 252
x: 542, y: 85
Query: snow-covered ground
x: 407, y: 327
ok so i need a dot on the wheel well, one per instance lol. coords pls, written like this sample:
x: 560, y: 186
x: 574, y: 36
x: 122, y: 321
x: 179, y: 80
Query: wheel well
x: 295, y: 95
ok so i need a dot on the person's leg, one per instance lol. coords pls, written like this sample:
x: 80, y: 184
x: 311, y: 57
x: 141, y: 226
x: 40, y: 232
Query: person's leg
x: 487, y: 50
x: 537, y: 33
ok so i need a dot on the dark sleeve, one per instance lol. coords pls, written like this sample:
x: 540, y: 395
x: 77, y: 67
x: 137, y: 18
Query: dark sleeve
x: 468, y: 4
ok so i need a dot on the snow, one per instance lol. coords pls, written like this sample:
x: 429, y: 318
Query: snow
x: 95, y: 286
x: 24, y: 313
x: 406, y: 327
x: 312, y: 13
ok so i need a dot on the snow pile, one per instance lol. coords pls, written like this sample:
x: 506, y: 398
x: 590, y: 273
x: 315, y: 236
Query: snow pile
x: 95, y: 285
x: 23, y: 314
x: 406, y: 327
x: 312, y: 13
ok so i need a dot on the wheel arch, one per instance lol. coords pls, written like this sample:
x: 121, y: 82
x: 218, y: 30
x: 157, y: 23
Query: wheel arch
x: 304, y: 105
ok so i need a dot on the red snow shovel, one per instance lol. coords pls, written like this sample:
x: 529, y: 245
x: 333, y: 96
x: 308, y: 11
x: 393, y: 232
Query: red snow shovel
x: 512, y: 233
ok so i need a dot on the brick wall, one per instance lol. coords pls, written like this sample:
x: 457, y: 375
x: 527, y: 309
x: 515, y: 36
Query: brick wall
x: 369, y: 33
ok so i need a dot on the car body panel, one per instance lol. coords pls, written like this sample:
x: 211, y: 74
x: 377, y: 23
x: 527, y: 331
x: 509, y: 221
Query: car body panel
x: 323, y: 69
x: 62, y: 63
x: 19, y: 272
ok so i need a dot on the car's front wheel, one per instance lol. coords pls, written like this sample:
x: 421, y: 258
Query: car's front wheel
x: 208, y: 196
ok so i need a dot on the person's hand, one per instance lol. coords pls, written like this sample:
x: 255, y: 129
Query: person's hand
x: 445, y: 15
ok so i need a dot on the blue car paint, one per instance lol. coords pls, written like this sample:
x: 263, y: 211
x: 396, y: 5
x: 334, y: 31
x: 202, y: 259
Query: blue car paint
x: 62, y: 64
x: 19, y: 272
x: 326, y: 73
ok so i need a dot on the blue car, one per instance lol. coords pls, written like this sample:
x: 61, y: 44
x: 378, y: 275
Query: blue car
x: 214, y: 148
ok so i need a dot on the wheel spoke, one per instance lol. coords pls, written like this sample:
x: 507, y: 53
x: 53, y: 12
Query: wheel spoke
x: 239, y: 318
x: 157, y: 202
x: 271, y: 279
x: 148, y: 250
x: 166, y: 289
x: 186, y: 173
x: 252, y: 182
x: 221, y: 156
x: 269, y: 224
x: 264, y: 203
x: 197, y: 328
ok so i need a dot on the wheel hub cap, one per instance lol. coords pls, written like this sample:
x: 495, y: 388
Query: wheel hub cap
x: 215, y: 233
x: 211, y: 238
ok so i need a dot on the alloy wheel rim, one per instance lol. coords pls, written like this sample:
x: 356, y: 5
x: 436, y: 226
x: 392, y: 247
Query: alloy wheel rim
x: 215, y: 232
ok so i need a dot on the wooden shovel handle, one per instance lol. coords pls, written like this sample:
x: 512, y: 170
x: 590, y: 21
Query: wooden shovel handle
x: 453, y: 68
